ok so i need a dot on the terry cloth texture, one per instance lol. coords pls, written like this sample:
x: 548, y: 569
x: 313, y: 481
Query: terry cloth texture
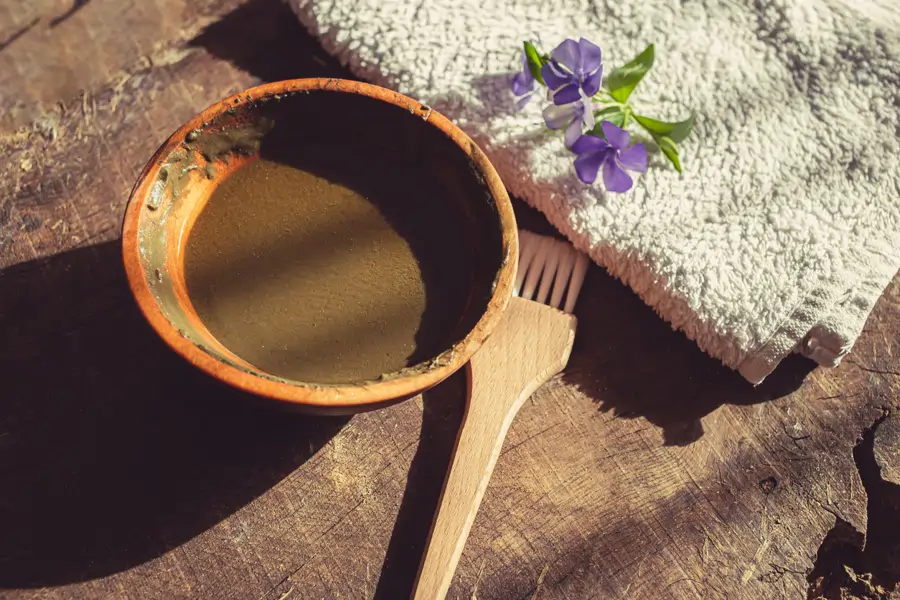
x: 785, y: 227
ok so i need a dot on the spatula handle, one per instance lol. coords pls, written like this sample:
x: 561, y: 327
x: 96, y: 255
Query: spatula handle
x: 531, y: 344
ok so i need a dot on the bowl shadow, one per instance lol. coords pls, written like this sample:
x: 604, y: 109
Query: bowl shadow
x: 114, y: 450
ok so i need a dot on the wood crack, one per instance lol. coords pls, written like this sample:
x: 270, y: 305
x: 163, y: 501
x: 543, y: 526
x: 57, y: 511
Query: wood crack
x: 851, y: 563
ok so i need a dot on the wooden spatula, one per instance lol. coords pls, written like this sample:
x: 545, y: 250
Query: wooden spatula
x: 529, y: 346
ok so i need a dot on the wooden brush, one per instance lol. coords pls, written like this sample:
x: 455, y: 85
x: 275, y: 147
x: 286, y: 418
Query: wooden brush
x: 530, y: 345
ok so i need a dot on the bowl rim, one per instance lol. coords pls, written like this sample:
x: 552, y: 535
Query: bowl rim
x: 338, y: 396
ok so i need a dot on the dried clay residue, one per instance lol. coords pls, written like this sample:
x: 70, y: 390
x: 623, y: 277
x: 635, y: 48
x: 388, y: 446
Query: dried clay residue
x: 213, y: 145
x: 245, y: 139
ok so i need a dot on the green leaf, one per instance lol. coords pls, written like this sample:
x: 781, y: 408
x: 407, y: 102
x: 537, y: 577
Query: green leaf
x: 535, y: 62
x: 622, y: 81
x: 677, y: 132
x: 613, y: 114
x: 669, y: 148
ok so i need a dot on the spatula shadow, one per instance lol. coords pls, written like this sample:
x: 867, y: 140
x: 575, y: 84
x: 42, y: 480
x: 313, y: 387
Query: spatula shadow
x: 443, y: 409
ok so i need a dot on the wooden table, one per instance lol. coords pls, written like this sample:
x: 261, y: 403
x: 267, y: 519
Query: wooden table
x: 646, y: 470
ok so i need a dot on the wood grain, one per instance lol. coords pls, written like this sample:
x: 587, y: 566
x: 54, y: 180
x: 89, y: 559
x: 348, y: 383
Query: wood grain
x: 645, y: 471
x: 56, y: 49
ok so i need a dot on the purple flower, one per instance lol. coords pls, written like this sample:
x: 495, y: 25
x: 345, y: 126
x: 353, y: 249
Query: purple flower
x: 523, y: 84
x: 575, y: 69
x: 574, y: 117
x: 613, y: 154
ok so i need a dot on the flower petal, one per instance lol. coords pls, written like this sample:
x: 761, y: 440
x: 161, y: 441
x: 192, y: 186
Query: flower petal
x: 567, y: 94
x: 634, y: 159
x: 617, y: 137
x: 557, y: 117
x: 591, y: 84
x: 587, y: 165
x: 573, y: 132
x: 614, y: 177
x: 522, y: 83
x: 521, y: 102
x: 589, y: 143
x: 555, y: 77
x: 569, y: 55
x: 591, y: 56
x: 588, y: 115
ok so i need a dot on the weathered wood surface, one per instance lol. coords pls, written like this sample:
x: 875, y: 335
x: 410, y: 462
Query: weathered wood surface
x: 645, y: 470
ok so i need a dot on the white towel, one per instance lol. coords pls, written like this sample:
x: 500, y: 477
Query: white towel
x: 784, y: 229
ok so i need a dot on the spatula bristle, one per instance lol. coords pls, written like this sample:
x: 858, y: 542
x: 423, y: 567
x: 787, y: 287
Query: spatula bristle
x: 546, y: 262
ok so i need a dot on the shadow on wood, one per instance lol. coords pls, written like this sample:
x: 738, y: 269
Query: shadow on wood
x: 632, y: 363
x: 112, y: 449
x: 851, y: 564
x: 264, y: 38
x: 442, y: 413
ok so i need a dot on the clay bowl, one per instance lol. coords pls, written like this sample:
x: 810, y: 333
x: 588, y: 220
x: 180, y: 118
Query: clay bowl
x: 178, y: 181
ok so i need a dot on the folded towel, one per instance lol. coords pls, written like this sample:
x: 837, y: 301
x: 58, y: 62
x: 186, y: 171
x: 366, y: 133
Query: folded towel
x: 785, y: 227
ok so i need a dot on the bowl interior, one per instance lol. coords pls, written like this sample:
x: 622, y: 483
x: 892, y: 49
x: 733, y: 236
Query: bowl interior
x: 423, y: 176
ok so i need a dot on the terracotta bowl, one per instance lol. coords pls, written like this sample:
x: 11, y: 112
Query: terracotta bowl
x: 180, y: 178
